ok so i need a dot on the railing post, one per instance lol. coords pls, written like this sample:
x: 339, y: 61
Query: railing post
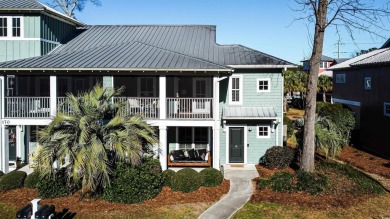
x: 53, y: 95
x: 163, y: 96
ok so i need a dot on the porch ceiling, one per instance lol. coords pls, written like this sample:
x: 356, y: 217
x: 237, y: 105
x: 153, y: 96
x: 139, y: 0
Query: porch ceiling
x: 248, y: 113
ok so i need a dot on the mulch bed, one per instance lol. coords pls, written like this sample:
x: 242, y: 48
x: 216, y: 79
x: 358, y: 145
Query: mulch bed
x: 365, y: 161
x: 22, y: 197
x: 338, y: 198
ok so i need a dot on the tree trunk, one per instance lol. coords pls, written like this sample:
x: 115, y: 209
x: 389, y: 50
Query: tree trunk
x: 324, y: 97
x: 307, y: 160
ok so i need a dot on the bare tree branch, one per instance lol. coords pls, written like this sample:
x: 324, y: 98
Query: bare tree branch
x: 69, y: 6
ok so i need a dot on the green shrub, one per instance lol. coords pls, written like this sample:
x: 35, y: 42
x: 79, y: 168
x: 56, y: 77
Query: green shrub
x: 12, y: 180
x: 186, y: 180
x: 32, y: 180
x: 55, y: 186
x: 341, y: 121
x: 211, y: 177
x: 263, y: 183
x: 313, y: 183
x: 279, y: 157
x: 135, y: 184
x: 167, y: 177
x: 282, y: 182
x: 1, y: 174
x: 290, y: 125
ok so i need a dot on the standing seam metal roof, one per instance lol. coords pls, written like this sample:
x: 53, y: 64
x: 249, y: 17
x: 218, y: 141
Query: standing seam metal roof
x: 127, y: 56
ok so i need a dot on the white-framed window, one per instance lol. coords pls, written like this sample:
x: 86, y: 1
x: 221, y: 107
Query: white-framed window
x: 340, y: 78
x: 11, y: 26
x: 263, y: 131
x: 386, y: 107
x: 235, y: 89
x: 264, y: 85
x: 324, y: 65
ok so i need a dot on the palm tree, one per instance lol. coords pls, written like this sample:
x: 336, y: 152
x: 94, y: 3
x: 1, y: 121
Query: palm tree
x: 92, y: 137
x: 325, y: 84
x: 328, y: 136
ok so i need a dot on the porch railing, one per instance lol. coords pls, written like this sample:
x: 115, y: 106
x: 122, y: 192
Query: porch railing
x: 189, y: 108
x: 149, y: 107
x: 62, y: 106
x: 27, y: 107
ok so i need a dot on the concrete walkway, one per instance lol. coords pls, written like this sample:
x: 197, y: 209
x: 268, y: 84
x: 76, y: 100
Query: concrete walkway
x: 240, y: 192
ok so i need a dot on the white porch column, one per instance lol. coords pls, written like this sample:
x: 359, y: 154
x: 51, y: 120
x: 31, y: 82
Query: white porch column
x: 4, y: 151
x: 18, y: 141
x: 53, y: 95
x: 163, y: 96
x: 217, y: 123
x: 163, y: 147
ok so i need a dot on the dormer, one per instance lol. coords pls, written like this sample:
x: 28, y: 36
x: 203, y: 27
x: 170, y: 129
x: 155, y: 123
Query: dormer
x: 29, y: 28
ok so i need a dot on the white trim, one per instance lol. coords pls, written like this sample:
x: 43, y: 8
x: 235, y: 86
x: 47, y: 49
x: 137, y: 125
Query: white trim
x: 27, y: 39
x: 119, y: 69
x: 262, y: 66
x: 349, y: 102
x: 268, y: 131
x: 263, y: 79
x: 184, y: 123
x: 163, y: 149
x: 163, y: 96
x: 386, y: 104
x: 245, y: 143
x: 240, y: 77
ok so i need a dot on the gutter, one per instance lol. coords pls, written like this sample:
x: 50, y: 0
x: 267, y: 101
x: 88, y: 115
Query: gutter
x: 117, y: 69
x: 261, y: 66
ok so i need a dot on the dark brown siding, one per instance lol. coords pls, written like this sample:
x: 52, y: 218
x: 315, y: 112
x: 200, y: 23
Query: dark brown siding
x: 374, y: 125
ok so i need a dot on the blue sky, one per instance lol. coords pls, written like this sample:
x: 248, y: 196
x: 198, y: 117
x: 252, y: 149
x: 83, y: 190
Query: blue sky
x: 264, y: 25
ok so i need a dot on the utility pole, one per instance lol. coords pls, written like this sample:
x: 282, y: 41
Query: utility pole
x: 338, y: 48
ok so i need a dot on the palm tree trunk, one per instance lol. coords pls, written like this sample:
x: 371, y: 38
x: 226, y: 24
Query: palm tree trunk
x: 307, y: 160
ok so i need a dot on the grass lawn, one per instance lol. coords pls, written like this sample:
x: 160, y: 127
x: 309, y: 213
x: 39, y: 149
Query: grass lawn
x: 376, y: 207
x: 295, y: 113
x: 192, y: 210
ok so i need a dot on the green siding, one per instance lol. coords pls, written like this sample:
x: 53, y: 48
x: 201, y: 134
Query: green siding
x: 32, y: 26
x: 18, y: 49
x: 252, y: 98
x: 56, y: 30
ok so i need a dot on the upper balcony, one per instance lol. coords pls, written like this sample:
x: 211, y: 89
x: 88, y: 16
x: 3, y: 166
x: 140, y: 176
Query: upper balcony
x: 186, y: 97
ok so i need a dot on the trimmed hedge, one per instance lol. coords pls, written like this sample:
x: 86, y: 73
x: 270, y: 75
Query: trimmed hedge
x: 55, y: 186
x: 278, y: 157
x: 12, y: 180
x: 186, y: 180
x: 167, y: 177
x: 32, y: 180
x: 211, y: 177
x: 1, y: 174
x: 135, y: 184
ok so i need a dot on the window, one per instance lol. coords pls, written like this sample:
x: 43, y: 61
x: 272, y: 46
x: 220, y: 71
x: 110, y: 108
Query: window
x: 263, y: 132
x: 3, y: 27
x: 340, y: 78
x: 11, y: 26
x: 185, y: 138
x: 323, y: 64
x: 201, y: 137
x: 263, y: 85
x: 236, y: 89
x: 16, y: 27
x: 387, y: 109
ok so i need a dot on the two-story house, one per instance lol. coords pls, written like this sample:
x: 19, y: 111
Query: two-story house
x: 362, y: 85
x: 198, y: 94
x: 325, y: 63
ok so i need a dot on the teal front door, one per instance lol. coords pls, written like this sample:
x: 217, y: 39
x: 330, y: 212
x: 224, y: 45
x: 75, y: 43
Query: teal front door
x: 236, y: 145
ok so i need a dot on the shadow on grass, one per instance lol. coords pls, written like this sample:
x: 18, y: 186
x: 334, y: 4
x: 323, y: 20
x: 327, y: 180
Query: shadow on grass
x: 65, y: 214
